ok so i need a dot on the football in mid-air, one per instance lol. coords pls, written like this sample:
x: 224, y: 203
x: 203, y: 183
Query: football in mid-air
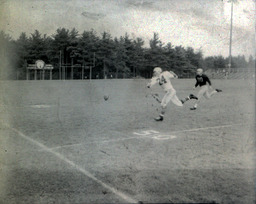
x: 106, y: 97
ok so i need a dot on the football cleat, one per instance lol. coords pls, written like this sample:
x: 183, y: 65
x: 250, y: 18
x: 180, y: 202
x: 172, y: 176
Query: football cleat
x: 182, y: 101
x: 218, y: 90
x: 192, y: 96
x: 194, y: 108
x: 159, y: 118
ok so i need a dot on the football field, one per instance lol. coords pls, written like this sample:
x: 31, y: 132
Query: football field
x: 61, y: 142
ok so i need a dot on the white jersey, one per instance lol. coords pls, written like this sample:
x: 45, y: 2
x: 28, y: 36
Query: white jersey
x: 164, y: 80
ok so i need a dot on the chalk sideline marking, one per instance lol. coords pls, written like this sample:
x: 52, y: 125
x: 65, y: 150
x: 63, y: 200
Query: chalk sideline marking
x: 75, y: 166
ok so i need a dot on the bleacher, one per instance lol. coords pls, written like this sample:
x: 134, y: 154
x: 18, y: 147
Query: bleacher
x: 237, y: 73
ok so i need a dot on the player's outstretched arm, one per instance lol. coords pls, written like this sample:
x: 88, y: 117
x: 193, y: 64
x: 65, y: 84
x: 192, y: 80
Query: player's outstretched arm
x: 152, y: 82
x: 173, y: 75
x: 208, y: 80
x: 196, y: 85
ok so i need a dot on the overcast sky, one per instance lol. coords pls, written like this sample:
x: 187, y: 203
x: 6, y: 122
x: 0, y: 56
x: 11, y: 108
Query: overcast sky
x: 201, y: 24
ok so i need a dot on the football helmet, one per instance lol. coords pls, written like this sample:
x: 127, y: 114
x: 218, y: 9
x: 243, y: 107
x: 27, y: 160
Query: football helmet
x: 199, y: 71
x: 157, y: 71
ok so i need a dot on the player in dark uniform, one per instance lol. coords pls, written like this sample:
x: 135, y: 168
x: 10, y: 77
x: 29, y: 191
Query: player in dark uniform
x: 205, y: 85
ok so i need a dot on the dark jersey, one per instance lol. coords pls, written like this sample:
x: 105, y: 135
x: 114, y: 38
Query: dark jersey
x: 202, y: 80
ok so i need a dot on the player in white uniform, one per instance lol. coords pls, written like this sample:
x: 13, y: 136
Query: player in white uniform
x: 164, y: 80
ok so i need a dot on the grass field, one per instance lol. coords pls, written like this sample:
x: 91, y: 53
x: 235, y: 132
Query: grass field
x: 61, y: 142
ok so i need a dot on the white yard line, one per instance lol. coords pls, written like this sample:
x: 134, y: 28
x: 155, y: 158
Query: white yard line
x: 102, y: 141
x: 29, y: 106
x: 150, y: 136
x: 75, y: 166
x: 207, y: 128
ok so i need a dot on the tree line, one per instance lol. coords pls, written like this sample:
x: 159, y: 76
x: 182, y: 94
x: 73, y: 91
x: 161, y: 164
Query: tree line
x: 123, y: 56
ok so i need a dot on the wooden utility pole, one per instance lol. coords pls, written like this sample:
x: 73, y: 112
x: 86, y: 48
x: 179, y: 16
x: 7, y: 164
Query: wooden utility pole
x: 230, y: 41
x: 60, y: 66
